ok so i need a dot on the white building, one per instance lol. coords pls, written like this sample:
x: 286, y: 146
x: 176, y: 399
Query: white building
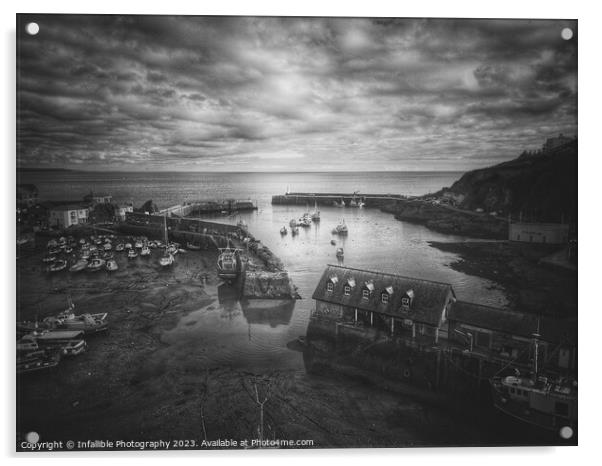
x: 122, y: 210
x: 551, y: 233
x: 66, y: 215
x: 98, y: 198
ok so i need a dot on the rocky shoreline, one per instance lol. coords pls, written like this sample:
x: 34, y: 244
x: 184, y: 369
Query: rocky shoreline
x: 448, y: 220
x: 530, y: 285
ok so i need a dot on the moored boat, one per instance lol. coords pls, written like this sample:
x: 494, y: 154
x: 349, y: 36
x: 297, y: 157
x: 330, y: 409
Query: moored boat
x: 229, y: 263
x: 132, y: 254
x: 145, y: 251
x: 283, y: 231
x: 340, y: 229
x: 340, y: 253
x: 167, y: 259
x: 111, y: 265
x: 315, y: 216
x: 193, y: 247
x: 95, y: 265
x: 57, y: 265
x: 120, y: 247
x: 292, y: 223
x: 79, y: 266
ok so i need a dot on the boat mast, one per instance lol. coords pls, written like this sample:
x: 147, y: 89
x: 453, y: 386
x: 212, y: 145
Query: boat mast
x: 536, y: 336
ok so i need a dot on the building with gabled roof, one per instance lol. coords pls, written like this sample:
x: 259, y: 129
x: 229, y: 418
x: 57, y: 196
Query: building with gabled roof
x: 412, y: 305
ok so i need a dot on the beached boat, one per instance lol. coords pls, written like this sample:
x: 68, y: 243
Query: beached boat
x: 229, y: 263
x: 283, y: 231
x: 69, y: 343
x: 145, y: 251
x: 132, y: 254
x: 57, y: 266
x: 37, y: 360
x: 68, y: 321
x: 107, y: 246
x: 80, y: 265
x: 167, y: 259
x: 128, y: 245
x: 111, y: 265
x: 340, y: 229
x: 95, y: 265
x: 120, y: 247
x: 48, y: 259
x: 340, y: 253
x: 537, y: 399
x: 193, y: 247
x: 138, y: 244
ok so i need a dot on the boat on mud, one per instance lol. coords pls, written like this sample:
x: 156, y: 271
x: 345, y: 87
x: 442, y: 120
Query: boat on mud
x: 340, y: 253
x: 69, y: 343
x: 78, y: 266
x: 295, y: 231
x: 229, y: 263
x: 33, y: 361
x: 57, y: 266
x: 95, y: 265
x: 120, y: 247
x: 193, y: 247
x: 547, y: 402
x: 87, y: 323
x: 145, y: 251
x: 132, y: 254
x: 111, y: 265
x: 167, y: 259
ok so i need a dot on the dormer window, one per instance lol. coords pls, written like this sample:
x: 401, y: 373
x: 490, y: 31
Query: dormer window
x: 330, y: 287
x: 365, y: 294
x: 347, y: 290
x: 384, y: 298
x: 406, y: 300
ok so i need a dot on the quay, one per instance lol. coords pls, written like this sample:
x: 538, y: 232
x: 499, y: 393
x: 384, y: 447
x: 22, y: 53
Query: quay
x: 329, y: 199
x: 209, y: 207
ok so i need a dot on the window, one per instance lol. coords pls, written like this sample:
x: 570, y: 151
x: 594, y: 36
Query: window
x: 365, y: 294
x: 347, y: 290
x: 330, y: 287
x: 384, y: 297
x: 405, y: 303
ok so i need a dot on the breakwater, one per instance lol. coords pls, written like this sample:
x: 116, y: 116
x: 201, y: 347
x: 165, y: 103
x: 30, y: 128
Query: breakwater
x: 209, y: 207
x: 329, y: 199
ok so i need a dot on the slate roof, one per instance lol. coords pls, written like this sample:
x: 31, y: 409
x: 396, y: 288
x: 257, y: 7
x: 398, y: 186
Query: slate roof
x: 514, y: 323
x: 429, y: 300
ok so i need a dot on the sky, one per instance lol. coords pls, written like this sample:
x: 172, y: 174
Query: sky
x: 166, y: 93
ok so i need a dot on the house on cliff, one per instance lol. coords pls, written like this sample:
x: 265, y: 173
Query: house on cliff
x: 399, y: 305
x: 532, y: 232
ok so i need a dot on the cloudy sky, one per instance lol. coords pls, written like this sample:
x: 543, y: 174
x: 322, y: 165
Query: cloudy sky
x: 289, y: 94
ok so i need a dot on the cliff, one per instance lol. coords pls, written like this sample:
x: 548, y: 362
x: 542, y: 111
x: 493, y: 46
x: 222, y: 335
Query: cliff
x: 541, y: 187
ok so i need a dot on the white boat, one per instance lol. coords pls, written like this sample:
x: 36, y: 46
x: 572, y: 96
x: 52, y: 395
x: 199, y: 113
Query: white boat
x: 341, y: 203
x: 57, y: 265
x: 132, y: 254
x: 95, y: 265
x: 304, y: 221
x: 315, y: 216
x: 80, y: 265
x: 48, y: 259
x: 340, y: 229
x: 292, y: 223
x: 138, y: 244
x: 120, y: 247
x: 111, y: 265
x: 145, y: 251
x: 107, y: 246
x: 193, y: 247
x: 229, y: 263
x: 167, y: 259
x: 128, y: 245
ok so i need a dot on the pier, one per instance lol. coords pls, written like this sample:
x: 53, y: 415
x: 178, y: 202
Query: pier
x: 209, y: 207
x: 329, y: 199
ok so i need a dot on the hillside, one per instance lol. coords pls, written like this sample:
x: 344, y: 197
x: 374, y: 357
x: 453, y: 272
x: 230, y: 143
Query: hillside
x: 542, y: 187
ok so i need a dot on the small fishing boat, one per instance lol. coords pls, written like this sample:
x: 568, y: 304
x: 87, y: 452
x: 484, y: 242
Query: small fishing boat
x: 340, y: 253
x: 283, y: 231
x: 340, y: 229
x: 295, y: 231
x: 120, y: 247
x: 85, y: 254
x: 132, y: 254
x: 95, y: 265
x: 138, y: 244
x: 341, y: 203
x: 79, y: 266
x: 304, y: 221
x: 54, y: 251
x: 292, y: 223
x: 86, y: 323
x: 47, y: 259
x: 107, y: 247
x: 52, y: 244
x: 128, y: 245
x: 145, y: 251
x: 152, y: 244
x: 333, y: 242
x: 57, y: 265
x: 108, y: 255
x: 193, y: 247
x: 111, y: 265
x: 82, y: 241
x: 37, y: 360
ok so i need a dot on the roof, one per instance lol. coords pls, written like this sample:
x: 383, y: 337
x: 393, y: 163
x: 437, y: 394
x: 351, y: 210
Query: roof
x: 555, y: 330
x: 428, y: 301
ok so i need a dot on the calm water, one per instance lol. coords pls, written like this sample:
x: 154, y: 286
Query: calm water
x: 225, y: 333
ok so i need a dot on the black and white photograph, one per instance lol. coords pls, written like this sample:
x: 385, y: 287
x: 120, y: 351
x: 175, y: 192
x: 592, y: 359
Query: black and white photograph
x: 289, y: 232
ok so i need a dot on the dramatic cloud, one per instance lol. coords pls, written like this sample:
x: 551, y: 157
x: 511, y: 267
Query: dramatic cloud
x: 209, y: 93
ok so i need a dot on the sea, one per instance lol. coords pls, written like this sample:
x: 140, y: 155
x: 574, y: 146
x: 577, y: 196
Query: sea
x: 376, y: 241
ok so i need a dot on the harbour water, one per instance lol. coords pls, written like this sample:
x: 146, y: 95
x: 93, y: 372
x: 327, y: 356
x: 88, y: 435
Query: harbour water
x: 221, y: 333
